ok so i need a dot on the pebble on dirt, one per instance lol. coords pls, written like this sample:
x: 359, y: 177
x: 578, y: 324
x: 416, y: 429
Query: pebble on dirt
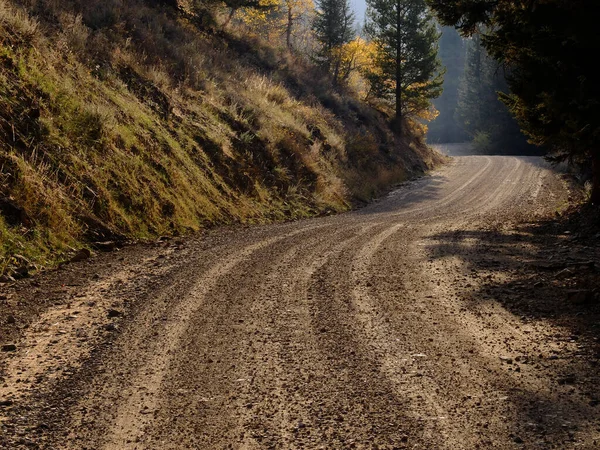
x: 110, y: 327
x: 114, y: 313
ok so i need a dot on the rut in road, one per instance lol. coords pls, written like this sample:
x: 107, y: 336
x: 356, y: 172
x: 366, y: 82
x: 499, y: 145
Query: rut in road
x: 335, y: 333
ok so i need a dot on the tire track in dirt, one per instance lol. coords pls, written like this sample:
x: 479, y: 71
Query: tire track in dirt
x: 396, y: 360
x: 131, y: 419
x: 141, y: 390
x: 294, y: 352
x: 433, y: 415
x: 480, y: 374
x: 456, y: 193
x: 240, y: 356
x: 347, y: 332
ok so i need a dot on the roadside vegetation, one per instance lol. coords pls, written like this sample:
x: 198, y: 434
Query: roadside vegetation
x: 132, y: 120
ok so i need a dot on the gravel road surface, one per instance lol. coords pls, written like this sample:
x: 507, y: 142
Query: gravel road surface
x: 395, y: 326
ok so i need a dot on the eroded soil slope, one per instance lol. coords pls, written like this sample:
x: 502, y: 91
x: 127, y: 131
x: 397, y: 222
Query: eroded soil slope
x: 437, y: 318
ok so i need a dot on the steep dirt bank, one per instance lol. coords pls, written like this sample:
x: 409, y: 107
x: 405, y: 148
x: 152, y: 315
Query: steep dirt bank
x: 449, y: 315
x: 123, y: 120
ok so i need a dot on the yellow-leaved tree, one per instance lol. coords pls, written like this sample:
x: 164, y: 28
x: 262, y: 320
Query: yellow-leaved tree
x: 262, y: 21
x: 287, y: 20
x: 355, y: 58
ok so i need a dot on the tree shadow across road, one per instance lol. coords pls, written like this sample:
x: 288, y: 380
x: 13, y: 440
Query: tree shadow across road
x: 548, y: 277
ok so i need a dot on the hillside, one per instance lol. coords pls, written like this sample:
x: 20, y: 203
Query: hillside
x: 131, y: 120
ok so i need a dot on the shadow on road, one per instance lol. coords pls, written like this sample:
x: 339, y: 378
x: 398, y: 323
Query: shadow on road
x: 553, y: 278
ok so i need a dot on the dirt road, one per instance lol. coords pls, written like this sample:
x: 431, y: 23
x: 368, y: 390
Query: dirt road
x: 418, y: 322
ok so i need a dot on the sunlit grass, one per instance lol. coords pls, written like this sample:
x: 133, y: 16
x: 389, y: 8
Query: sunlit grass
x: 108, y: 135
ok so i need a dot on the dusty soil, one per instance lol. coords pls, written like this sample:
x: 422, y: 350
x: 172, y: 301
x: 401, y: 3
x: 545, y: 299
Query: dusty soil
x: 456, y: 313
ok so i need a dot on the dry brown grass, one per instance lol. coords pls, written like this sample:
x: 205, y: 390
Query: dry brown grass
x: 119, y: 120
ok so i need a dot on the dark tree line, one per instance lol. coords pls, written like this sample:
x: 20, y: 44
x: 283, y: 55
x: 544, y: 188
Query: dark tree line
x: 544, y: 45
x: 470, y: 108
x: 480, y: 112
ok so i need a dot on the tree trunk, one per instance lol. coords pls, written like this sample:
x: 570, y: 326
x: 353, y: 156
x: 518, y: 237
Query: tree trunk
x: 595, y: 198
x: 398, y: 69
x: 288, y: 30
x: 336, y: 72
x: 231, y: 13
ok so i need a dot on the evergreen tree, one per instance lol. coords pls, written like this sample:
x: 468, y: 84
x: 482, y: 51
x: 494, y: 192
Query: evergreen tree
x: 479, y: 112
x: 407, y: 67
x: 474, y: 89
x: 552, y: 75
x: 334, y: 27
x: 452, y: 54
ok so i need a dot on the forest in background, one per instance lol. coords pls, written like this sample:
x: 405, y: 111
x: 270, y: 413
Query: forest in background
x: 470, y: 109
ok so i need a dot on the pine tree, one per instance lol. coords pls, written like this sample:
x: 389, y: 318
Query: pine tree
x: 408, y: 69
x: 334, y: 27
x: 452, y: 50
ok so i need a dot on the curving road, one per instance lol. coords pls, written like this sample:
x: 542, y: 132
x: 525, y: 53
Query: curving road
x: 367, y: 330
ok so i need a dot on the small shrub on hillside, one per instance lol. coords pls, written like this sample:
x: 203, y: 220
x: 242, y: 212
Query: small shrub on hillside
x: 482, y: 142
